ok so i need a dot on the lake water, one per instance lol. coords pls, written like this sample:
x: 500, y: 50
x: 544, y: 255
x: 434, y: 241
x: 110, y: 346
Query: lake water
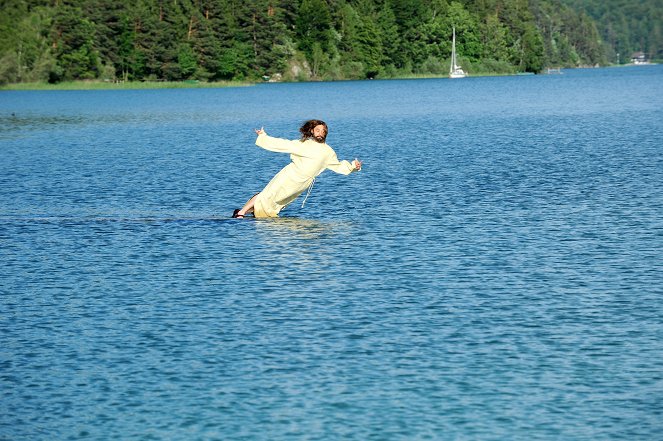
x: 494, y: 272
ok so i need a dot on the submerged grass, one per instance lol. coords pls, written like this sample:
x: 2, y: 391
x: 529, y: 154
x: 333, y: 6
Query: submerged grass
x: 105, y: 85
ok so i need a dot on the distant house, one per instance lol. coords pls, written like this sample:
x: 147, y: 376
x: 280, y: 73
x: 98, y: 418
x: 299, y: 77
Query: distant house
x: 639, y: 58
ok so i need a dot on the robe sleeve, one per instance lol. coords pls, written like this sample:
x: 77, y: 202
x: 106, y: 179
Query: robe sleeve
x: 342, y: 167
x: 279, y: 145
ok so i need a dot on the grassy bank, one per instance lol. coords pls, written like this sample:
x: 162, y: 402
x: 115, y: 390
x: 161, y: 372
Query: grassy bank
x: 138, y: 85
x: 104, y: 85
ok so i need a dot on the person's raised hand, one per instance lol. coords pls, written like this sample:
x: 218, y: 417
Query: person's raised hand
x: 260, y: 131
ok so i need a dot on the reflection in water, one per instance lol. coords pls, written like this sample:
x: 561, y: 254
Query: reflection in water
x: 292, y: 228
x: 306, y: 241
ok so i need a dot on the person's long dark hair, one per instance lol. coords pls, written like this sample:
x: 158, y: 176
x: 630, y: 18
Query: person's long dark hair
x: 307, y: 130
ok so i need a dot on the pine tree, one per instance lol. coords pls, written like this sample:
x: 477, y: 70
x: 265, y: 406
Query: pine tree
x: 388, y: 29
x: 73, y: 39
x: 313, y: 25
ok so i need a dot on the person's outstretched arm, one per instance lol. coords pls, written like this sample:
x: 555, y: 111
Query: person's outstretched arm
x: 343, y: 167
x: 277, y: 144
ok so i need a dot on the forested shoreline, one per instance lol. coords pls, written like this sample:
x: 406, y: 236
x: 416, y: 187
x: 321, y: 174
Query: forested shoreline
x: 230, y: 40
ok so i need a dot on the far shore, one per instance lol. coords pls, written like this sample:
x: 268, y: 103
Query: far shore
x: 192, y: 84
x: 128, y: 85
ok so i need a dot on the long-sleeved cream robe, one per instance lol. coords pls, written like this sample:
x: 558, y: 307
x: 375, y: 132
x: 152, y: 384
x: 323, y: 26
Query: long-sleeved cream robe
x: 309, y: 159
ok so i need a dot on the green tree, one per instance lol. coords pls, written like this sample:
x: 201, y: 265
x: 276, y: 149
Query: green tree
x: 216, y: 42
x: 410, y: 13
x: 313, y: 25
x: 186, y: 60
x: 319, y: 61
x: 25, y: 50
x: 108, y: 18
x: 142, y: 46
x: 361, y: 44
x: 531, y: 50
x: 126, y: 53
x: 73, y: 39
x: 388, y: 30
x: 269, y: 38
x: 495, y: 43
x: 468, y: 39
x: 235, y: 61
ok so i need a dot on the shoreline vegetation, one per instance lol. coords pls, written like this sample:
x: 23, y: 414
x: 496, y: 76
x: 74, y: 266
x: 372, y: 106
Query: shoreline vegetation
x: 155, y: 85
x: 221, y: 43
x: 128, y: 85
x: 195, y: 84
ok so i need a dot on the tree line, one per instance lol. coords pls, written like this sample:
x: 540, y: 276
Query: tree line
x: 211, y: 40
x: 626, y: 26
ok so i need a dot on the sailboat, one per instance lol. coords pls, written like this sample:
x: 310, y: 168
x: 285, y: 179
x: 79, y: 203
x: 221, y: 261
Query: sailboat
x: 455, y: 71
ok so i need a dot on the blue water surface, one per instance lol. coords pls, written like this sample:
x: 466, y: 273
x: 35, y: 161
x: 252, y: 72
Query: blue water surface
x: 495, y: 272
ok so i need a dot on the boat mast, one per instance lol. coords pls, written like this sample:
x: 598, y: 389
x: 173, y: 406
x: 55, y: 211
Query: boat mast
x: 453, y: 52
